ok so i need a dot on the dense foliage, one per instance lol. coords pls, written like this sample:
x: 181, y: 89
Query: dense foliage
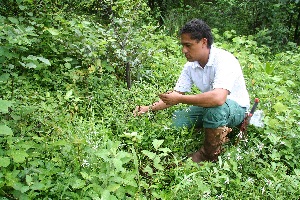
x: 273, y: 20
x: 66, y: 124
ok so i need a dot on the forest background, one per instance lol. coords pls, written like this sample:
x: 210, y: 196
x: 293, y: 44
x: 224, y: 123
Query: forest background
x: 71, y: 73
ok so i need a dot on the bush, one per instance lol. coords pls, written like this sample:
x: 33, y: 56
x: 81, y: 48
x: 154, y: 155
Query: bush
x: 67, y: 129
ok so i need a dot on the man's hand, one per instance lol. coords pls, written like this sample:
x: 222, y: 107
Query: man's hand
x: 171, y: 97
x: 140, y: 110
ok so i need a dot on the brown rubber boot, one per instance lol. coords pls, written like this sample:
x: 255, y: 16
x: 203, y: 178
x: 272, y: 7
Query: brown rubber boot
x: 212, y: 147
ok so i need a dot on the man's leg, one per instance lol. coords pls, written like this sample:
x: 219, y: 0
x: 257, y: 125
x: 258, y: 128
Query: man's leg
x: 191, y: 117
x: 213, y: 140
x: 229, y: 114
x: 215, y: 121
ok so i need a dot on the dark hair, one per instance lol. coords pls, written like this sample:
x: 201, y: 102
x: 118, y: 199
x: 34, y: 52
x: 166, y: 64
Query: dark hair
x: 198, y: 29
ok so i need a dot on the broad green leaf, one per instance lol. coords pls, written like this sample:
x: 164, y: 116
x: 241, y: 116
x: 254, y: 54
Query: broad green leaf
x: 68, y: 94
x: 19, y: 156
x: 5, y: 130
x: 238, y: 40
x: 118, y: 165
x: 30, y: 57
x: 86, y: 23
x: 116, y: 179
x: 105, y: 195
x: 4, y: 161
x: 38, y: 138
x: 279, y: 107
x: 125, y: 157
x: 113, y: 187
x: 18, y: 186
x: 165, y: 150
x: 104, y: 154
x: 273, y: 122
x: 28, y: 180
x: 275, y: 155
x: 13, y: 20
x: 269, y: 68
x: 23, y: 64
x: 68, y: 65
x: 290, y: 83
x: 156, y: 143
x: 37, y: 186
x: 131, y: 182
x: 233, y: 165
x: 78, y: 183
x: 297, y: 172
x: 53, y: 31
x: 86, y: 176
x: 44, y: 60
x: 31, y: 65
x: 25, y: 145
x: 24, y: 189
x: 148, y: 170
x: 68, y: 59
x: 22, y: 7
x: 98, y: 63
x: 2, y: 51
x: 3, y: 78
x: 274, y: 139
x: 226, y: 166
x: 276, y: 79
x: 4, y: 105
x: 60, y: 143
x: 156, y: 163
x: 11, y: 177
x: 151, y: 155
x: 108, y: 67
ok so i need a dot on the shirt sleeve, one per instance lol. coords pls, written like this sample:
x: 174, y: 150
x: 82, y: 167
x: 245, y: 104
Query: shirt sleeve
x: 184, y: 82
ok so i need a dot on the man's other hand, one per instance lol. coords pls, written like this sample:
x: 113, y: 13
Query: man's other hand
x: 140, y: 110
x: 171, y: 97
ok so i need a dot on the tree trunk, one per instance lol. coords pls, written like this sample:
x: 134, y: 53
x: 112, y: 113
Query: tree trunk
x: 128, y: 77
x: 297, y: 31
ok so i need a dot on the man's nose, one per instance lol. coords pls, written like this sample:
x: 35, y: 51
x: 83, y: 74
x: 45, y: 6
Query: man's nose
x: 184, y: 50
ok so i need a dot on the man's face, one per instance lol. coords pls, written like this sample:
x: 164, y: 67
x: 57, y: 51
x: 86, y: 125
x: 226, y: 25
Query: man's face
x: 193, y: 50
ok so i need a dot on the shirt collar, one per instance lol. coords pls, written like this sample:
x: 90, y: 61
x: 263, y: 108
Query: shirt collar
x: 211, y: 56
x: 210, y: 59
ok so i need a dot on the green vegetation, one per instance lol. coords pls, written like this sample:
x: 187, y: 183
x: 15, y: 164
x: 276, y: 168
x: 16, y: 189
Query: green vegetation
x: 66, y: 124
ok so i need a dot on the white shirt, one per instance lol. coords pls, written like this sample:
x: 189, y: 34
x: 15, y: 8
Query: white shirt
x: 221, y: 71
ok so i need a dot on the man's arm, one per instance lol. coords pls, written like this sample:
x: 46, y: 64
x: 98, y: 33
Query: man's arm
x: 216, y: 97
x: 159, y: 105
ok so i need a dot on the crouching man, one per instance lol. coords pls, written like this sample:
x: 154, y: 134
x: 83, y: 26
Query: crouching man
x: 223, y: 99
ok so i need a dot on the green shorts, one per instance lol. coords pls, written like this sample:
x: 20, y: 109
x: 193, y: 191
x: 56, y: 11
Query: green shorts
x: 229, y: 114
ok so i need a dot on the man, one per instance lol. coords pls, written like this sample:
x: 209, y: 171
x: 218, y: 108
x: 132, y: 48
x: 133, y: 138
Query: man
x: 223, y: 100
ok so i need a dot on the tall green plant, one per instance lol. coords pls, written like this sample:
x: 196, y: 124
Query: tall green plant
x: 130, y: 38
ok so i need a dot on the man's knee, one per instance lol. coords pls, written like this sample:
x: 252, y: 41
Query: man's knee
x: 215, y: 117
x: 188, y: 118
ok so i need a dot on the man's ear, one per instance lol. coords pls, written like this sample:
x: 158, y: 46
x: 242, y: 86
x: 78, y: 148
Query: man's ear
x: 204, y: 41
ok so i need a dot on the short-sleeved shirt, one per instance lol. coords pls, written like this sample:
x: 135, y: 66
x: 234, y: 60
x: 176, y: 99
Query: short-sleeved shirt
x: 222, y: 70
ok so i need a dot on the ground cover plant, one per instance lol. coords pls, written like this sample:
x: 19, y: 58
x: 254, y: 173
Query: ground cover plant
x: 67, y: 129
